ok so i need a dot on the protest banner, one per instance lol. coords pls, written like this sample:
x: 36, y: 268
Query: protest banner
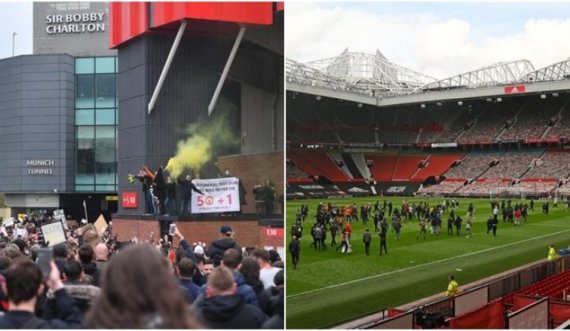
x: 53, y: 233
x: 220, y: 195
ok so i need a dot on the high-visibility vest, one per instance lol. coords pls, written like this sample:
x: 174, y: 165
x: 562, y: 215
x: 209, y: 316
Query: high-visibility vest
x: 452, y: 288
x: 551, y: 254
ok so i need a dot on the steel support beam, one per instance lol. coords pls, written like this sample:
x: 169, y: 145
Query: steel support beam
x: 166, y: 67
x: 226, y: 70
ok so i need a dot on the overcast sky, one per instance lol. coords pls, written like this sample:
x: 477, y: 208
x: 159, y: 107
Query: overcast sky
x: 437, y: 39
x: 15, y: 17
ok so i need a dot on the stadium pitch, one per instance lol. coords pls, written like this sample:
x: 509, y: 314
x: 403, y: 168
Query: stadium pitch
x: 329, y: 287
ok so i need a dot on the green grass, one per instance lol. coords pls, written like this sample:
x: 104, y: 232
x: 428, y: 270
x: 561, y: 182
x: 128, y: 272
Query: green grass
x: 329, y: 287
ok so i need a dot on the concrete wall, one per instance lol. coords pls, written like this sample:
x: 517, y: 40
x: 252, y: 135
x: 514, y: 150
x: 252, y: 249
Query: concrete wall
x: 37, y: 123
x: 73, y: 43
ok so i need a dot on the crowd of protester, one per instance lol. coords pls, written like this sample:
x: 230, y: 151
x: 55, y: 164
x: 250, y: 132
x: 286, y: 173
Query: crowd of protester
x: 169, y: 196
x: 94, y: 281
x: 332, y: 227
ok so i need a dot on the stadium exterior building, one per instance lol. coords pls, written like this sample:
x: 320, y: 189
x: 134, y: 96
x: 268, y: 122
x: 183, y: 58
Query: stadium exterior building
x: 229, y: 51
x: 59, y: 114
x: 75, y: 119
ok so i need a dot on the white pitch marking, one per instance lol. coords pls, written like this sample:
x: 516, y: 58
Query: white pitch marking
x: 423, y: 265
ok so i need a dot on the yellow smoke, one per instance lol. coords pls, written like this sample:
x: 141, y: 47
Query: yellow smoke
x: 192, y: 153
x: 205, y: 138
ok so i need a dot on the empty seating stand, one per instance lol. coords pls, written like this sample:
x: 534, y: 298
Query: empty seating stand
x: 406, y: 166
x: 317, y: 163
x: 552, y: 287
x: 437, y: 166
x: 383, y: 166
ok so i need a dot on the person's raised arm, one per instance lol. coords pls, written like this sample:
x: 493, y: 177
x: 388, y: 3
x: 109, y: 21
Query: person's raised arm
x: 68, y: 315
x: 184, y: 244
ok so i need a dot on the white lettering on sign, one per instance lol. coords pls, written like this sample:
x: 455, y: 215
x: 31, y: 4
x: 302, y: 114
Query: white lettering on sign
x: 40, y: 167
x: 75, y: 23
x: 220, y: 195
x: 40, y: 163
x: 396, y: 189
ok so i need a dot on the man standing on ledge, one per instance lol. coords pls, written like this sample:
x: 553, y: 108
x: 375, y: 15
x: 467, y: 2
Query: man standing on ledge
x: 452, y: 287
x: 146, y: 181
x: 186, y: 188
x: 242, y: 191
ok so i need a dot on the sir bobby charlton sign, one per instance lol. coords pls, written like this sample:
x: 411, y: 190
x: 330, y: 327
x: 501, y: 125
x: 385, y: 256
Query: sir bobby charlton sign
x: 220, y: 195
x: 75, y: 23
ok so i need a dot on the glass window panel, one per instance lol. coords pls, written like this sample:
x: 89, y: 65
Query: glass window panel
x: 85, y: 132
x: 106, y: 91
x: 106, y: 188
x: 116, y: 64
x: 84, y: 65
x: 85, y: 173
x: 85, y: 91
x: 105, y: 162
x: 105, y: 116
x: 84, y: 188
x: 105, y: 65
x: 84, y: 117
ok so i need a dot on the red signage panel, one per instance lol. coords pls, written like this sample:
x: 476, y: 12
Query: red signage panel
x: 515, y: 89
x: 237, y: 12
x: 131, y: 19
x: 273, y: 232
x: 130, y: 200
x: 127, y: 20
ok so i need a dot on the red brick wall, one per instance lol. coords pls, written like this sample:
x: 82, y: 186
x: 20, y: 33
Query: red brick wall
x: 275, y: 239
x: 126, y: 229
x: 251, y: 169
x: 246, y: 233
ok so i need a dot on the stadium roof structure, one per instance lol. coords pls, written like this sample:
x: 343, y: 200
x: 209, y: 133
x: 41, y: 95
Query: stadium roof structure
x: 374, y: 80
x: 502, y: 73
x: 371, y: 72
x: 557, y: 71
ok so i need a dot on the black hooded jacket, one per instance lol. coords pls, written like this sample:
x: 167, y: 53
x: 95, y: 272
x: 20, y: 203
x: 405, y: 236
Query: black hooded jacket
x: 218, y: 247
x: 230, y: 312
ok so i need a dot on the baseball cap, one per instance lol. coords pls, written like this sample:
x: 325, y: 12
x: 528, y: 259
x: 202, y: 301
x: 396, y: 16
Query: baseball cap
x: 199, y: 250
x: 226, y: 229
